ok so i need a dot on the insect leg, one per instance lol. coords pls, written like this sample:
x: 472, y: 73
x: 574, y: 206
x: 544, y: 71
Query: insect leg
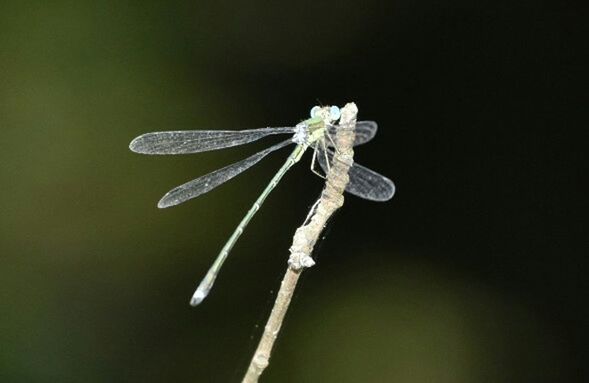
x: 313, y: 159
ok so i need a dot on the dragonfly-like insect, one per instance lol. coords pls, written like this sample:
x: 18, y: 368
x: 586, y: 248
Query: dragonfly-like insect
x: 315, y: 133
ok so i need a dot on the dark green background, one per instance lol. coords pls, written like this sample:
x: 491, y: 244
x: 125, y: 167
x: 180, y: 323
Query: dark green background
x: 472, y: 273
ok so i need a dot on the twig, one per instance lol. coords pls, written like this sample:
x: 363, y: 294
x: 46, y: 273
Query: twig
x: 305, y: 238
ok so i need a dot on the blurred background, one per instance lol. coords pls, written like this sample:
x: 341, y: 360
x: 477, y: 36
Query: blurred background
x: 474, y: 272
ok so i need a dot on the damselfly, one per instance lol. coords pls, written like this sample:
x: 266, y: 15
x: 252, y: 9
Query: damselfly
x: 315, y: 133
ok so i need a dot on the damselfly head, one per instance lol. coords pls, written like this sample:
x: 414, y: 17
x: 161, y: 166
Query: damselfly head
x: 331, y: 113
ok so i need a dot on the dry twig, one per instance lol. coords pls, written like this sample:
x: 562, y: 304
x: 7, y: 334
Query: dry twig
x: 305, y: 238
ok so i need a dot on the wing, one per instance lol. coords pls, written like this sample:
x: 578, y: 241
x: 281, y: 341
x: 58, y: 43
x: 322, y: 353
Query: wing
x: 196, y: 141
x: 364, y: 183
x: 365, y: 131
x: 210, y: 181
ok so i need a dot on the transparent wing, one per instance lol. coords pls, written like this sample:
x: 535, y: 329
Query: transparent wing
x: 364, y: 183
x: 210, y: 181
x: 365, y: 131
x: 195, y: 141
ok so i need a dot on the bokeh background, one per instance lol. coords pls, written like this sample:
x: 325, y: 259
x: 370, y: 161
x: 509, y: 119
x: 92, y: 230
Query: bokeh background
x: 474, y: 272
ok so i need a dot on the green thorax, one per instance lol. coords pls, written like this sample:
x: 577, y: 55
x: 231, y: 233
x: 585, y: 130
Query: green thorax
x: 315, y: 129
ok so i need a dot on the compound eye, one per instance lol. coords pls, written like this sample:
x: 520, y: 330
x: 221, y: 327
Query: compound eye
x: 314, y: 111
x: 334, y: 113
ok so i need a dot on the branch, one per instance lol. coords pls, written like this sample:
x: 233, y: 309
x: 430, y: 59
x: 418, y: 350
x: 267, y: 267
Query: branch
x: 305, y: 238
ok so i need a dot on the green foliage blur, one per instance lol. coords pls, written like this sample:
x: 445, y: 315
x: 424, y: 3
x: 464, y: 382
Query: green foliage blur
x: 471, y: 273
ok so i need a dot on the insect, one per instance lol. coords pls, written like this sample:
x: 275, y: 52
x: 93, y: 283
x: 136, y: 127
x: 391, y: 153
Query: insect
x: 315, y: 133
